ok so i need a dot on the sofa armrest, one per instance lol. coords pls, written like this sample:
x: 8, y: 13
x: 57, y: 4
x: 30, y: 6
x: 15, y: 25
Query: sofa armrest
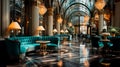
x: 13, y: 46
x: 13, y: 50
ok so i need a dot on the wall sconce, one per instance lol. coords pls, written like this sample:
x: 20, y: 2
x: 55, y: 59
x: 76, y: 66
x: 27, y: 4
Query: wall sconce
x: 14, y: 27
x: 40, y: 29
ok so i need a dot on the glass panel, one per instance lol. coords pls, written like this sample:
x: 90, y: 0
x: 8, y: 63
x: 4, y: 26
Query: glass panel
x: 88, y: 3
x: 79, y: 7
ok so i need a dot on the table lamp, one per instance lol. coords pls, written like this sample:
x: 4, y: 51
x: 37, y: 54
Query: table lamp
x: 14, y: 27
x: 55, y: 31
x: 40, y: 29
x: 62, y: 31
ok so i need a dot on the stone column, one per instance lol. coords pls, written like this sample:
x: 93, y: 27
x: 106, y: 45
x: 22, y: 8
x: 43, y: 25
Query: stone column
x: 35, y: 19
x: 64, y: 25
x: 76, y: 32
x: 58, y: 27
x: 101, y: 21
x: 50, y: 21
x: 116, y: 22
x: 5, y: 16
x: 0, y: 17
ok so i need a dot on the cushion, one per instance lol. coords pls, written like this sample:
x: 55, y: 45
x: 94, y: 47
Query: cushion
x: 52, y: 44
x: 24, y: 48
x: 100, y: 44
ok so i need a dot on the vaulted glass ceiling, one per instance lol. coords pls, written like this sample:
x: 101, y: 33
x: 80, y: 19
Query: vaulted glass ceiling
x: 72, y: 10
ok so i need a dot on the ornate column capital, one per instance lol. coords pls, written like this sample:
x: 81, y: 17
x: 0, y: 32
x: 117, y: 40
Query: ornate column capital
x: 101, y: 12
x: 50, y: 11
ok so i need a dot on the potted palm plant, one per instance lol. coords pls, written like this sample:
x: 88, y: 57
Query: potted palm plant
x: 113, y: 31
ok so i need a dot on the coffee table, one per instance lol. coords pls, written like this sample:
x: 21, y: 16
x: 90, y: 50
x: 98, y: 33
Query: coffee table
x: 43, y: 47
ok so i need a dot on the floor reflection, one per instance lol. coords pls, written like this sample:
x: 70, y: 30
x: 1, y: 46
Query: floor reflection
x: 70, y: 54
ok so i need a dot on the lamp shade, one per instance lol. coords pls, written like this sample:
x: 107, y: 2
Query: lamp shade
x: 14, y: 25
x: 40, y: 28
x: 113, y: 30
x: 66, y: 31
x: 100, y: 4
x: 54, y: 30
x: 62, y: 31
x: 42, y: 9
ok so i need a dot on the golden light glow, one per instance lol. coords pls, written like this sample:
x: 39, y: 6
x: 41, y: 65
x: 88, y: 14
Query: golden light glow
x: 100, y: 4
x: 42, y: 9
x: 107, y: 16
x: 66, y: 31
x: 59, y: 19
x: 54, y: 30
x: 86, y: 63
x: 40, y: 28
x: 62, y: 31
x: 60, y: 63
x: 69, y: 24
x: 86, y: 18
x: 14, y: 26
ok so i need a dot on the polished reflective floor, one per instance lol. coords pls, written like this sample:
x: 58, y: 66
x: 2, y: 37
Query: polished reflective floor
x: 73, y: 53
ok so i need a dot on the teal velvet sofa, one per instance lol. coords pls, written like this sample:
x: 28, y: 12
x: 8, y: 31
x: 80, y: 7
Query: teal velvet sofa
x: 116, y: 43
x: 62, y: 36
x: 28, y: 43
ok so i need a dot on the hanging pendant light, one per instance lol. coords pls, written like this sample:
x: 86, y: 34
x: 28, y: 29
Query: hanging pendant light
x: 100, y: 4
x: 59, y: 19
x: 42, y: 9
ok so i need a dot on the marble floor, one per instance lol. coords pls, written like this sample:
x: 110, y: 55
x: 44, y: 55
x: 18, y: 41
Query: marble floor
x: 70, y: 54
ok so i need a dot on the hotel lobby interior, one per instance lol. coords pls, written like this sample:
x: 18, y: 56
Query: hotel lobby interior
x: 59, y: 33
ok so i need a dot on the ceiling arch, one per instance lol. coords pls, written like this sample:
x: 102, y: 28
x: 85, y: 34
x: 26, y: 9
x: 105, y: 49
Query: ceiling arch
x: 75, y: 8
x: 75, y: 13
x: 76, y: 5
